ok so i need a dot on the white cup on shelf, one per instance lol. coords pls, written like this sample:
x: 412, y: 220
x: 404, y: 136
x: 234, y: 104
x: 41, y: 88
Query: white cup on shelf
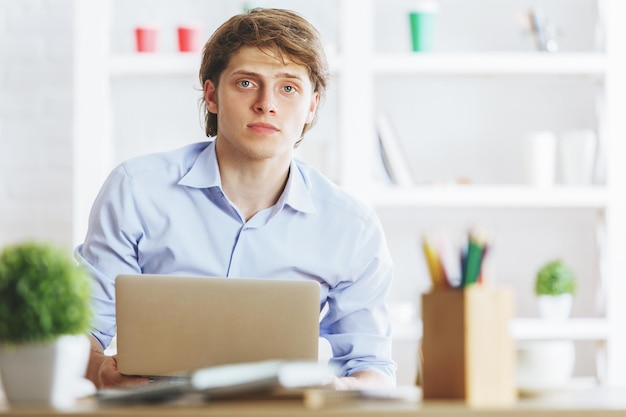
x: 577, y: 153
x: 540, y: 158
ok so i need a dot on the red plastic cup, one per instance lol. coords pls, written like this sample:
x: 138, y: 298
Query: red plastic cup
x: 189, y: 38
x: 147, y: 39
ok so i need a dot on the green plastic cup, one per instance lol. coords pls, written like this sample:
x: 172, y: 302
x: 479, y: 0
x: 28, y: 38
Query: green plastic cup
x: 423, y: 29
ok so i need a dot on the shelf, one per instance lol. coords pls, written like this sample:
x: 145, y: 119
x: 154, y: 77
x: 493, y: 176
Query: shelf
x: 495, y: 63
x: 529, y: 329
x: 573, y: 329
x: 172, y: 65
x: 132, y: 65
x: 508, y: 196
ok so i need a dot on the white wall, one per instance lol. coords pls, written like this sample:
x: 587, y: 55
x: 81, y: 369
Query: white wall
x: 36, y: 120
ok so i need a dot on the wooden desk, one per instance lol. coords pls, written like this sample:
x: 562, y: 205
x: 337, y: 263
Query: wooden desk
x: 600, y: 402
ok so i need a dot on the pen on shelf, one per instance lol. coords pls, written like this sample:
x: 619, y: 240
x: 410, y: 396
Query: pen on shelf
x: 538, y: 29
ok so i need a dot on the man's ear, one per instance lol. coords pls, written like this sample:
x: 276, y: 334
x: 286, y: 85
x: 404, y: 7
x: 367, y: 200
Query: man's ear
x: 315, y: 99
x: 210, y: 96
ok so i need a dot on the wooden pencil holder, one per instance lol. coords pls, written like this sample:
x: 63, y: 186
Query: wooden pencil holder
x: 467, y: 347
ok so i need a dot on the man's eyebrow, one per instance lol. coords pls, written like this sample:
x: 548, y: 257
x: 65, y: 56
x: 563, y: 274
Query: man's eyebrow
x: 289, y: 75
x: 278, y: 75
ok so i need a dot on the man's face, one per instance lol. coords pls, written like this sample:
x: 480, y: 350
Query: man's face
x: 262, y: 104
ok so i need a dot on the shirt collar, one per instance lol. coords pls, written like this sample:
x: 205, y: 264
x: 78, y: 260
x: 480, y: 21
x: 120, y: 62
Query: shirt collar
x: 297, y: 194
x: 205, y: 173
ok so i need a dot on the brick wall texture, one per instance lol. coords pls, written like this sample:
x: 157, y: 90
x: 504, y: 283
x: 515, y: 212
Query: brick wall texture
x: 36, y: 121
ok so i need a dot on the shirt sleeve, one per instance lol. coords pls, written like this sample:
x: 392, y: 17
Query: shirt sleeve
x: 110, y: 248
x: 357, y: 322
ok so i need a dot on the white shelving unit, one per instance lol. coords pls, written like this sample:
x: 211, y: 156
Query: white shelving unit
x: 534, y: 329
x: 358, y: 68
x: 165, y: 65
x: 605, y: 68
x: 514, y: 196
x: 497, y: 64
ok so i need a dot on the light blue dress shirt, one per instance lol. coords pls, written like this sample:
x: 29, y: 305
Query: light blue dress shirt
x: 166, y: 213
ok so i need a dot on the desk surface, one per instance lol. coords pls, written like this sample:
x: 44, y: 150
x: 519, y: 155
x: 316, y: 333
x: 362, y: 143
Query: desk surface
x: 598, y: 402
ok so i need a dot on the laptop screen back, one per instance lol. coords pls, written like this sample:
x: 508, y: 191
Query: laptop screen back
x: 172, y: 325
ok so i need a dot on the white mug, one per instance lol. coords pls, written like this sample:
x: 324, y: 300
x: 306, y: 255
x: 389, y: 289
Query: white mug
x: 540, y: 158
x: 577, y: 152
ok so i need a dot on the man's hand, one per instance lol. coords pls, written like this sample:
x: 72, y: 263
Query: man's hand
x: 102, y: 370
x: 363, y: 380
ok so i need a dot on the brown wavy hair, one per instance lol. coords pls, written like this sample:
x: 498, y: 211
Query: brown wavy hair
x: 267, y: 29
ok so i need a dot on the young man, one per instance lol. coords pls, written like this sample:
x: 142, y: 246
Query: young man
x: 242, y: 206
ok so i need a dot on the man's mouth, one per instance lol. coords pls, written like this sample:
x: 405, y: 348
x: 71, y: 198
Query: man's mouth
x: 263, y: 127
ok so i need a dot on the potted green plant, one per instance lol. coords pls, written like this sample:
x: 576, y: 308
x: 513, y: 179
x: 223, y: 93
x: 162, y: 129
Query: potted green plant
x: 555, y: 286
x: 44, y: 316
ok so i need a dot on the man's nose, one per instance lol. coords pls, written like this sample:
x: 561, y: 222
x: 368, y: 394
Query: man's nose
x: 266, y: 102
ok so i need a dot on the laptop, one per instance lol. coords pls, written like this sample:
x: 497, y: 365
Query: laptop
x: 173, y: 325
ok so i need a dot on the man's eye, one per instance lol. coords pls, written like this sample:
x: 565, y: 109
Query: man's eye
x: 245, y: 83
x: 289, y: 89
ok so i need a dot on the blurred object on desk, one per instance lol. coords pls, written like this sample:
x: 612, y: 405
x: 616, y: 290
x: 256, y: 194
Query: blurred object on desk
x: 468, y: 350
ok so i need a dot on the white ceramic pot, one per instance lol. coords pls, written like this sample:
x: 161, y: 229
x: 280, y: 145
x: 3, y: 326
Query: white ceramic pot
x: 49, y: 373
x: 555, y: 307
